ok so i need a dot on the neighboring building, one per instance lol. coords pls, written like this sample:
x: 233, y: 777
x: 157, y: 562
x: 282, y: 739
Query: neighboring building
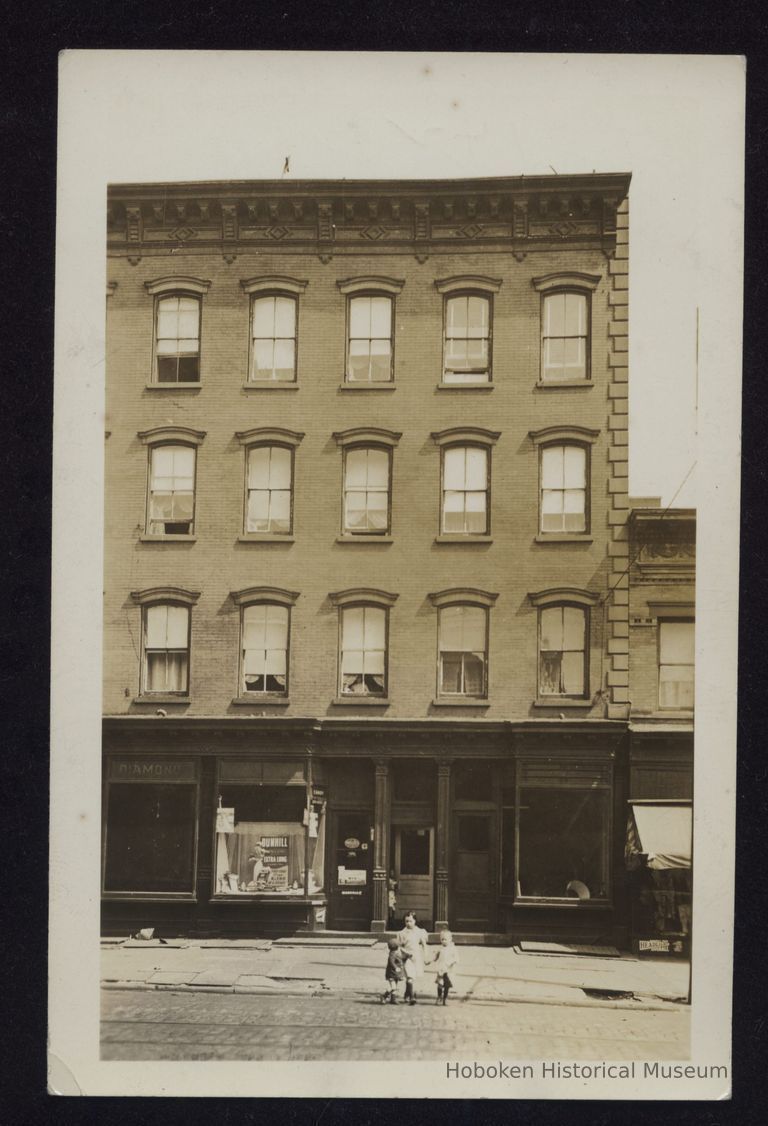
x: 661, y: 678
x: 367, y: 610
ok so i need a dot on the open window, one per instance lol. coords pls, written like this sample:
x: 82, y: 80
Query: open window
x: 363, y: 643
x: 265, y: 618
x: 462, y: 642
x: 177, y: 313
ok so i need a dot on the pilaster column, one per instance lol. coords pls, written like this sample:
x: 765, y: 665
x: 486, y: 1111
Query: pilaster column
x: 380, y: 847
x: 442, y: 842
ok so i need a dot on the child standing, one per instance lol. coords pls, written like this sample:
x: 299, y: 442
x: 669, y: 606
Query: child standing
x: 394, y: 973
x: 446, y: 958
x: 413, y: 940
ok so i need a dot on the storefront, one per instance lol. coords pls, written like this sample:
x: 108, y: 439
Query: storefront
x: 658, y: 856
x: 492, y: 835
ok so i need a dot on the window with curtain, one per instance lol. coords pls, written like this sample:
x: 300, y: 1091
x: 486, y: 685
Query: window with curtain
x: 369, y: 346
x: 363, y: 651
x: 166, y: 648
x: 676, y: 664
x: 177, y: 339
x: 564, y: 338
x: 563, y: 489
x: 171, y: 490
x: 465, y: 490
x: 269, y: 489
x: 273, y: 338
x: 562, y: 651
x: 366, y: 491
x: 463, y: 651
x: 467, y: 339
x: 265, y: 648
x: 269, y: 841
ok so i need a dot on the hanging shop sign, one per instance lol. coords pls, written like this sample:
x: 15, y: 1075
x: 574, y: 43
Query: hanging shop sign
x: 225, y: 820
x: 351, y: 842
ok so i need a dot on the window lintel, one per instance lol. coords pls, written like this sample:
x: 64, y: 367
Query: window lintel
x: 566, y: 279
x: 180, y: 283
x: 253, y: 594
x: 154, y: 594
x: 467, y: 595
x: 467, y: 283
x: 273, y: 283
x: 456, y: 435
x: 364, y: 435
x: 363, y: 595
x: 269, y: 435
x: 164, y: 435
x: 551, y: 434
x: 558, y: 595
x: 370, y: 283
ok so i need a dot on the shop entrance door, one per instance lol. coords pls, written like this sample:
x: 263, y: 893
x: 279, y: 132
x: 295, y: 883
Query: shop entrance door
x: 472, y: 897
x: 413, y: 861
x: 351, y: 898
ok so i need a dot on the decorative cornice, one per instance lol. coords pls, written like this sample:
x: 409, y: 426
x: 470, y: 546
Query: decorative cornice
x: 166, y: 434
x: 355, y: 596
x: 180, y: 283
x: 374, y: 435
x: 556, y: 595
x: 252, y: 594
x: 463, y: 594
x: 269, y: 434
x: 348, y: 217
x: 165, y: 594
x: 563, y: 434
x: 456, y: 434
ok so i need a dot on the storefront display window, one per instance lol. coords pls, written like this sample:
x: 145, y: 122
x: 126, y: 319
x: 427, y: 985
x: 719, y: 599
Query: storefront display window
x: 150, y: 845
x: 563, y: 836
x: 269, y: 840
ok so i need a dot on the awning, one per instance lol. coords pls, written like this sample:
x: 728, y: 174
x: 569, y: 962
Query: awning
x: 661, y: 832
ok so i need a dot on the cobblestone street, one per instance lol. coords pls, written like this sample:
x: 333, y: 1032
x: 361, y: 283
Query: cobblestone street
x: 142, y: 1025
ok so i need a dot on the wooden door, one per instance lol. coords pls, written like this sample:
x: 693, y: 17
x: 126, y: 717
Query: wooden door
x: 473, y: 896
x: 350, y: 884
x: 414, y: 853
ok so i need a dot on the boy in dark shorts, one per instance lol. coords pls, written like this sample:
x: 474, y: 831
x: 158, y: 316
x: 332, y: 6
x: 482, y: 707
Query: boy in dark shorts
x: 395, y: 971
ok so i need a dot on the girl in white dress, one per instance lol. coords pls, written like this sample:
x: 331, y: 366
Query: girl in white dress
x: 413, y: 940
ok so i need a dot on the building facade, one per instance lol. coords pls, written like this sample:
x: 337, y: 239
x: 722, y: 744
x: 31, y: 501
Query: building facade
x: 367, y: 611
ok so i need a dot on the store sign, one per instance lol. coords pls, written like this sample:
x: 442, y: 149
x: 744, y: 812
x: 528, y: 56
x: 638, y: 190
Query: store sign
x: 351, y: 842
x: 659, y: 946
x: 275, y: 857
x: 347, y: 876
x: 151, y: 770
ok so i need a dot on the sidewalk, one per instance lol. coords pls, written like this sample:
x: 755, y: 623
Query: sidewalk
x: 323, y: 967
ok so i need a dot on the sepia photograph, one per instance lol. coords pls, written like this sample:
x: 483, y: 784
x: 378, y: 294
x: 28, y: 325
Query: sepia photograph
x: 398, y: 652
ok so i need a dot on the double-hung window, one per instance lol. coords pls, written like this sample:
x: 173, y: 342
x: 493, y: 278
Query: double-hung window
x: 565, y: 326
x: 563, y: 643
x: 676, y: 664
x: 367, y: 454
x: 467, y: 348
x: 465, y: 486
x: 563, y: 489
x: 274, y: 330
x: 370, y: 329
x: 363, y: 643
x: 178, y: 304
x: 171, y: 484
x: 165, y: 639
x: 265, y: 648
x: 269, y: 481
x: 462, y: 642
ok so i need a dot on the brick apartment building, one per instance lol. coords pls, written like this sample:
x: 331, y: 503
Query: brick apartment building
x: 367, y: 609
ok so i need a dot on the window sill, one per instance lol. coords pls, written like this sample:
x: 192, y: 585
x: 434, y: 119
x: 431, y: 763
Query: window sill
x: 460, y: 537
x: 265, y: 537
x: 464, y: 702
x: 162, y: 698
x: 360, y: 701
x: 271, y: 385
x: 173, y: 386
x: 563, y: 384
x: 382, y: 386
x: 563, y: 537
x: 266, y: 700
x: 364, y: 539
x: 570, y: 903
x: 171, y: 537
x: 559, y: 703
x: 484, y: 385
x: 316, y: 899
